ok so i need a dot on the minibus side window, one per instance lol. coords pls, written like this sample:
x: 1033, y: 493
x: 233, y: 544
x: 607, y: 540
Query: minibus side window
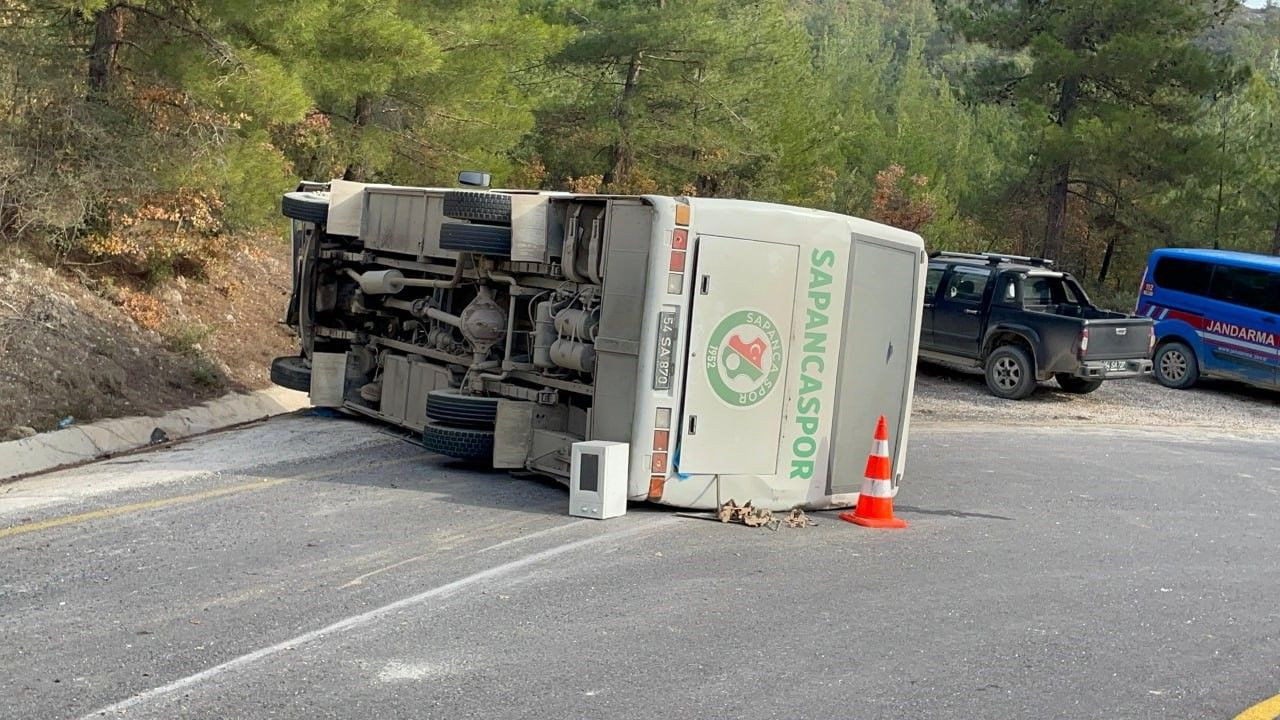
x: 1243, y: 286
x: 1188, y: 276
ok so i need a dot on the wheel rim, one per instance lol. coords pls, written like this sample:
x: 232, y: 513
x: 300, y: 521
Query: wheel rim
x: 1007, y: 373
x: 1173, y: 365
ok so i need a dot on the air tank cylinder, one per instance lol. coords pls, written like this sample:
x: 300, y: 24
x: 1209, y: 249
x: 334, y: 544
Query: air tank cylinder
x: 574, y: 355
x: 544, y: 335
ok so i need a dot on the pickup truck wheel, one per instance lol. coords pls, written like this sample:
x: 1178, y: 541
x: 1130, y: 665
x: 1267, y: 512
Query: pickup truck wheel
x: 1079, y: 386
x: 1175, y: 366
x: 470, y: 444
x: 312, y: 207
x: 489, y: 208
x: 482, y: 239
x: 451, y: 407
x: 1009, y: 372
x: 291, y: 372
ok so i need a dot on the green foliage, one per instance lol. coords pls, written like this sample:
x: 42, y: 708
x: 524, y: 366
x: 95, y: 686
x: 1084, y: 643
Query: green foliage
x: 147, y: 134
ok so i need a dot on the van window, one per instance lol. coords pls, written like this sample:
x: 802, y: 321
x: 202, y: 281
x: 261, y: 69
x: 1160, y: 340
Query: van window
x: 967, y: 284
x: 1254, y: 289
x: 1189, y: 276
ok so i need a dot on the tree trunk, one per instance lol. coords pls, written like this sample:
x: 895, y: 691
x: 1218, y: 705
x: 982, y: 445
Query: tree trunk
x: 1275, y: 237
x: 1106, y: 260
x: 1222, y: 177
x: 1056, y: 215
x: 356, y: 170
x: 108, y: 32
x: 1056, y: 211
x: 622, y: 157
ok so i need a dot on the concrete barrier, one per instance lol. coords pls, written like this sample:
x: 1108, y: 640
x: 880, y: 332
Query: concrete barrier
x: 83, y: 443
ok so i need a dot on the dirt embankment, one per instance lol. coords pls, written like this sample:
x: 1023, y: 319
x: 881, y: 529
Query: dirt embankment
x: 75, y: 345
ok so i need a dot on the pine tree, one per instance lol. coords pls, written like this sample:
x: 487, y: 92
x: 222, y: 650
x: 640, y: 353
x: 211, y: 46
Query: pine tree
x: 1100, y: 83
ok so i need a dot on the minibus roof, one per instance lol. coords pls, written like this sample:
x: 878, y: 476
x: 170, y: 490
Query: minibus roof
x: 1228, y: 257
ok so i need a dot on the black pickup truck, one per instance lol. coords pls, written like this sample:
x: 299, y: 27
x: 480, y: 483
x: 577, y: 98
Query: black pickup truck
x: 1020, y: 322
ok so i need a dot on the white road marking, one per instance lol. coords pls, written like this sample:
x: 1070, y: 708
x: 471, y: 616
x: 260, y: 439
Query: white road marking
x: 367, y: 617
x: 530, y: 536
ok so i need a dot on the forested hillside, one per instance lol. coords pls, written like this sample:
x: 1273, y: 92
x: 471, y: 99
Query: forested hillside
x: 153, y: 137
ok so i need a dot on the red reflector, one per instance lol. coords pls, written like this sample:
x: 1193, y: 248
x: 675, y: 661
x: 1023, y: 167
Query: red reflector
x: 677, y: 261
x: 660, y: 439
x: 680, y: 239
x: 659, y: 463
x: 655, y: 486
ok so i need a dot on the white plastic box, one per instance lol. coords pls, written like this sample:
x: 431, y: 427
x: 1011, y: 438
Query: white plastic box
x: 598, y: 479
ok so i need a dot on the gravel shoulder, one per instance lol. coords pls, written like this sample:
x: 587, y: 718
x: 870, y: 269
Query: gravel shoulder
x: 945, y: 394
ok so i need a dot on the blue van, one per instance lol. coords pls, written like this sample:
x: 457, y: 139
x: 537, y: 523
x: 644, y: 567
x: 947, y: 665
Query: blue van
x: 1217, y: 314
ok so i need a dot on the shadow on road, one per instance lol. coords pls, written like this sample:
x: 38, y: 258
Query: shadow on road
x: 948, y: 513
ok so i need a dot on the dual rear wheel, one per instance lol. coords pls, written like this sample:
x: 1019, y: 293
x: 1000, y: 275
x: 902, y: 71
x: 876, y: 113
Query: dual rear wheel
x: 460, y: 426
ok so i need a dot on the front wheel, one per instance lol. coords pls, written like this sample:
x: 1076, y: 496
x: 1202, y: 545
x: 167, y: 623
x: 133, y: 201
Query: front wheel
x: 1010, y: 373
x: 1078, y: 386
x: 1175, y: 366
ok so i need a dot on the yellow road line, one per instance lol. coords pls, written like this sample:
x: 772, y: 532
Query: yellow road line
x: 1268, y: 709
x: 184, y: 499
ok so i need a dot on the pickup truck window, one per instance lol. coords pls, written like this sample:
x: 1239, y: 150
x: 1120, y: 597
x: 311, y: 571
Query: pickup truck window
x: 932, y: 280
x: 1040, y: 290
x: 967, y: 284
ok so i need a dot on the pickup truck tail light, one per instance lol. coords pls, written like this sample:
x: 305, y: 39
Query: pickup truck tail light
x: 1084, y: 343
x: 1151, y: 340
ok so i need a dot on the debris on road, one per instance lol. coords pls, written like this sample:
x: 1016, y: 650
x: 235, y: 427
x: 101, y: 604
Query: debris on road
x: 747, y: 514
x: 797, y: 519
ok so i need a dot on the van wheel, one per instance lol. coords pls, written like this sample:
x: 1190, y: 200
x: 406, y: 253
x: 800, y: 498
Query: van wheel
x: 1176, y: 366
x: 1010, y: 374
x: 1078, y: 386
x: 470, y: 444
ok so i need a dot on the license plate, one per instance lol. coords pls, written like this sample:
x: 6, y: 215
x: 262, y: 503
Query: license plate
x: 1115, y: 365
x: 667, y: 333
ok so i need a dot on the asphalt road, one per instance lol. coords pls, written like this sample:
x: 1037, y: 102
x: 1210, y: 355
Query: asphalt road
x: 316, y: 568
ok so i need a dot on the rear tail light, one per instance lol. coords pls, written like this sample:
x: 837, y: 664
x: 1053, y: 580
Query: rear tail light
x: 1084, y: 343
x: 1151, y: 340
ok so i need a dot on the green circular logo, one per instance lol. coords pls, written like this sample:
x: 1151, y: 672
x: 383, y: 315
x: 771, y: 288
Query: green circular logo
x: 744, y: 358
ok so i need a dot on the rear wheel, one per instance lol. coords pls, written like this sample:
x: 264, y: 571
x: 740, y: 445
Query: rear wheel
x: 480, y: 207
x: 312, y: 207
x: 470, y: 444
x: 291, y: 372
x: 1079, y: 386
x: 1010, y: 373
x: 451, y: 407
x: 1175, y: 366
x: 482, y: 239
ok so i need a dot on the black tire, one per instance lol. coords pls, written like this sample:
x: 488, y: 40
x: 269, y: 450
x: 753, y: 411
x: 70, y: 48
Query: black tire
x: 1175, y: 366
x: 471, y: 444
x: 483, y: 239
x: 489, y: 208
x: 312, y: 207
x: 291, y: 372
x: 1078, y: 386
x: 1010, y: 373
x: 451, y: 407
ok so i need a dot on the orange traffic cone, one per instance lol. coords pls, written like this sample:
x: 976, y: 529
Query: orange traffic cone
x: 875, y: 503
